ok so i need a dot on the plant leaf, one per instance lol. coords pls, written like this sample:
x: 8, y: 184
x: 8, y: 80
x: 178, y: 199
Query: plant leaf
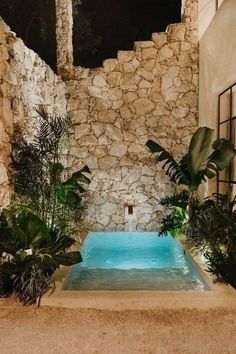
x: 199, y: 150
x: 172, y: 168
x: 68, y: 259
x: 223, y: 154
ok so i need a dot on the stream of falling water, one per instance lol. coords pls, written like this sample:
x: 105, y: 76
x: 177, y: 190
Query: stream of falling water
x: 131, y: 225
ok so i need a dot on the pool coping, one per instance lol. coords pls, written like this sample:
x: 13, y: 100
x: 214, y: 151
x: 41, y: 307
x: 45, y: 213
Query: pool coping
x: 219, y: 295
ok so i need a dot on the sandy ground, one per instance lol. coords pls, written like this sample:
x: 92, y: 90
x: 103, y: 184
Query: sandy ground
x: 85, y: 331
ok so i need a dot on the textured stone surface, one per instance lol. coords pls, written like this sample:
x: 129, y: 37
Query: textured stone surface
x: 150, y: 92
x: 64, y: 37
x: 26, y: 83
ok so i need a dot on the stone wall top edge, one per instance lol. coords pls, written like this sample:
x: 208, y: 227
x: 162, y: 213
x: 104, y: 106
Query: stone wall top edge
x: 12, y: 38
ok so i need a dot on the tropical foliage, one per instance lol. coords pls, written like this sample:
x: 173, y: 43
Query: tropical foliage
x: 203, y: 161
x: 40, y: 180
x: 30, y: 252
x: 212, y: 230
x: 176, y: 220
x: 36, y: 234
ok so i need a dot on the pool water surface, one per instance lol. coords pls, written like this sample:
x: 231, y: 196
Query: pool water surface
x: 134, y: 261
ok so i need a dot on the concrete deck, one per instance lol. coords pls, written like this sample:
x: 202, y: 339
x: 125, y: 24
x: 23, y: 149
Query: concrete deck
x: 142, y: 300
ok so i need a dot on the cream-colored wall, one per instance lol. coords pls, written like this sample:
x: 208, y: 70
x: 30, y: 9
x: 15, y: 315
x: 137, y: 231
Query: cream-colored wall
x: 217, y: 63
x: 207, y: 9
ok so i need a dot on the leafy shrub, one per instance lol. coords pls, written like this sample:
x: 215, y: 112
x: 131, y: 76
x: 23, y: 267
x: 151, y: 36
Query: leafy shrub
x: 30, y: 252
x: 176, y: 221
x: 40, y: 180
x: 222, y: 266
x: 203, y: 161
x: 212, y: 230
x: 31, y: 285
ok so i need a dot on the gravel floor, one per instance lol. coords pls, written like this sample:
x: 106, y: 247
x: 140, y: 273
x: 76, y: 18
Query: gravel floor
x: 57, y: 330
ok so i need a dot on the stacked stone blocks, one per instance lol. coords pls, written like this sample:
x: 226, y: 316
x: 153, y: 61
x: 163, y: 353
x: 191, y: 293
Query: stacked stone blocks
x: 148, y: 92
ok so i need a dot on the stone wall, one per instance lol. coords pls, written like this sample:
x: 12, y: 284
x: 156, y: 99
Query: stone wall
x: 149, y: 92
x: 64, y: 25
x: 26, y: 83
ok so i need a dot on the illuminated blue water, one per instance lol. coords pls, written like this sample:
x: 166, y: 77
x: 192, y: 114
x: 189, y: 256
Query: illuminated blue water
x: 133, y: 261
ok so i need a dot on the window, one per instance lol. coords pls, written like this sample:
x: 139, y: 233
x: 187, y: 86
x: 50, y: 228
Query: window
x: 226, y: 180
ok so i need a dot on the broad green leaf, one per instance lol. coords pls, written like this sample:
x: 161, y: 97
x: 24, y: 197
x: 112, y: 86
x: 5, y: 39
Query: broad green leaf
x: 62, y: 243
x: 35, y: 229
x: 70, y: 191
x: 175, y: 232
x: 199, y: 150
x: 68, y: 259
x: 223, y: 154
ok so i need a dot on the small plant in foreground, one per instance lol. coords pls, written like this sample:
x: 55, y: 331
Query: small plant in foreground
x: 30, y: 252
x: 212, y: 230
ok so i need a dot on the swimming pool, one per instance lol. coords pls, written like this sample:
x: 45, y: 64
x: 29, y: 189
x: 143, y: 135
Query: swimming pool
x: 134, y: 261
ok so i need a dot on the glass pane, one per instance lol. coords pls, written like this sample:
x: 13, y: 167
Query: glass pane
x: 224, y: 130
x: 225, y: 106
x: 224, y: 175
x: 234, y: 101
x: 233, y: 189
x: 223, y: 188
x: 233, y: 139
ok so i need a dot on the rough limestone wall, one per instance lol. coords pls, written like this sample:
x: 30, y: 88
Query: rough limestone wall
x: 64, y: 34
x: 26, y: 83
x: 149, y: 92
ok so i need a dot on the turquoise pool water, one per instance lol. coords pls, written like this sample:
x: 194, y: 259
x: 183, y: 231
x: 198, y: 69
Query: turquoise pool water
x: 133, y: 261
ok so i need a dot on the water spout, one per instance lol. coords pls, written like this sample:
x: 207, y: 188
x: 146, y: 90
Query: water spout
x: 130, y: 216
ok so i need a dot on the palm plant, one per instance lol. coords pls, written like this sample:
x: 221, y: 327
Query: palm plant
x: 40, y: 180
x: 30, y: 252
x: 203, y: 161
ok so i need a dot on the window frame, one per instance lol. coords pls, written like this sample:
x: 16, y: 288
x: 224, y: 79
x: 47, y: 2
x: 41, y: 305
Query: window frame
x: 230, y: 132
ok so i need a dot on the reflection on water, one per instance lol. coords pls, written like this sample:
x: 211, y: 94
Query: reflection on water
x: 133, y: 279
x: 133, y: 261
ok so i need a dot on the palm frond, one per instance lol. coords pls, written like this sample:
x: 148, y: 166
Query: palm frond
x: 178, y: 200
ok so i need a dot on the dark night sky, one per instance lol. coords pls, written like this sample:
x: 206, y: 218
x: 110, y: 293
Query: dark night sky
x: 121, y: 22
x: 111, y: 25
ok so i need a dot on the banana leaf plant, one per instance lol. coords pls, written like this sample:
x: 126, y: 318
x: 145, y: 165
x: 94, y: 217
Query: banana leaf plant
x: 203, y: 161
x: 30, y: 252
